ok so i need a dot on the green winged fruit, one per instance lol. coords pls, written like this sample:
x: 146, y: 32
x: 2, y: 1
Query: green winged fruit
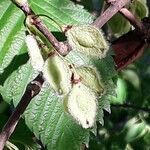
x: 57, y: 72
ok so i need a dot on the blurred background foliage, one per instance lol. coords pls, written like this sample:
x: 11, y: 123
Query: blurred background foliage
x: 128, y: 125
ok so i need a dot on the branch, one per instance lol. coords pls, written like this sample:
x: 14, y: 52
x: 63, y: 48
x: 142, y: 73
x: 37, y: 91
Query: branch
x: 132, y: 19
x: 114, y: 7
x: 32, y: 89
x: 24, y: 6
x: 61, y: 47
x: 129, y: 16
x: 126, y: 106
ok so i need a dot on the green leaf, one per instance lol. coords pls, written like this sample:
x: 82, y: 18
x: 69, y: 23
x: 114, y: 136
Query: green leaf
x: 45, y: 115
x: 56, y: 129
x: 15, y: 85
x: 12, y: 30
x: 62, y: 11
x: 11, y: 33
x: 118, y: 25
x: 87, y: 4
x: 139, y: 8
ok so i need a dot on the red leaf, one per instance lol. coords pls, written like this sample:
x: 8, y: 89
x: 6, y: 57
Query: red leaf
x: 130, y: 46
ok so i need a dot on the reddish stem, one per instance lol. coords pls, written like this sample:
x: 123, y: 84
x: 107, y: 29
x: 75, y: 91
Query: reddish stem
x: 109, y: 12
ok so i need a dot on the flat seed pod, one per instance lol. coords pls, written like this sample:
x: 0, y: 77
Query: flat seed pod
x: 35, y: 53
x: 88, y: 40
x: 58, y: 74
x: 90, y: 78
x: 81, y: 103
